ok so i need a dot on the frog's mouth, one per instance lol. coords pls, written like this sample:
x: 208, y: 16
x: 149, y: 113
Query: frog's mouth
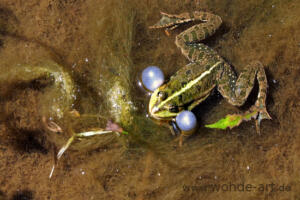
x: 160, y: 114
x: 157, y: 112
x: 153, y: 112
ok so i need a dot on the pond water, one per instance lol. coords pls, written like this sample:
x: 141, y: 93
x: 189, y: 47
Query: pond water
x: 103, y: 46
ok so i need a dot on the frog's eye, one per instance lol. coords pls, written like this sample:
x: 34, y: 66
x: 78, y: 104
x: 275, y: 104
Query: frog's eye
x: 173, y: 109
x: 162, y: 95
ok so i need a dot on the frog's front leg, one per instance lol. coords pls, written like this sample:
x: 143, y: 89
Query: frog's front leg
x: 185, y: 40
x: 170, y: 21
x: 208, y: 24
x: 236, y: 90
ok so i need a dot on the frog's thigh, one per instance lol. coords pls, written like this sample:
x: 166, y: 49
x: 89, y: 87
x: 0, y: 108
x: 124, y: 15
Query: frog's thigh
x: 236, y: 90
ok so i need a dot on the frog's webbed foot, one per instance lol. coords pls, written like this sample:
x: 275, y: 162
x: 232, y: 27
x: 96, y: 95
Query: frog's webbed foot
x: 171, y: 22
x: 178, y: 16
x: 261, y: 113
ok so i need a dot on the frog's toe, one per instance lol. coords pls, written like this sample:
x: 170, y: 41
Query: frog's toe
x: 262, y: 113
x: 171, y: 21
x: 166, y: 14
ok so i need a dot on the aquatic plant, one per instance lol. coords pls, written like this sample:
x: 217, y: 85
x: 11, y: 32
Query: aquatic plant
x: 231, y: 121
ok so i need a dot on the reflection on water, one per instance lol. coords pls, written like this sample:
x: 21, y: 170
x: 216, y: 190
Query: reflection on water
x: 104, y: 46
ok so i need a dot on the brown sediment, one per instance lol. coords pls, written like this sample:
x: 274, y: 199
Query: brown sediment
x: 252, y: 30
x: 146, y: 173
x: 21, y: 112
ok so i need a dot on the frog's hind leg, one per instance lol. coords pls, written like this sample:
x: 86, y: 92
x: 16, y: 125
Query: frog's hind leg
x: 236, y: 90
x: 260, y: 104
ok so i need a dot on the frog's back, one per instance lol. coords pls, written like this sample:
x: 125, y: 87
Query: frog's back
x: 195, y: 80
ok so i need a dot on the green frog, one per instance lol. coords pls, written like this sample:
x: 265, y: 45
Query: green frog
x: 194, y: 82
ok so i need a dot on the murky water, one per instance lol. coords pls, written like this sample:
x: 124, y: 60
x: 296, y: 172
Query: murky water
x: 104, y: 46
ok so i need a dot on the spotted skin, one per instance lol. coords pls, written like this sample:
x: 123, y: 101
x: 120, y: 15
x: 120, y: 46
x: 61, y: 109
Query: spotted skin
x: 193, y: 83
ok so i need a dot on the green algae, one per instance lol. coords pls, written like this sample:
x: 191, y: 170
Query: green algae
x: 111, y: 77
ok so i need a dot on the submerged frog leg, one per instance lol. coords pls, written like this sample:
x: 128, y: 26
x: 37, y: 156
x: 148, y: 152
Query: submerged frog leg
x: 174, y: 128
x: 180, y: 140
x: 236, y: 90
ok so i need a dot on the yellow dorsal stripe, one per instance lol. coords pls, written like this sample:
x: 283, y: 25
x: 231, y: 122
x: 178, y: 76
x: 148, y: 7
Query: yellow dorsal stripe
x: 189, y: 85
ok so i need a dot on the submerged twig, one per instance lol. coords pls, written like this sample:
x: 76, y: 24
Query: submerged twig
x: 110, y: 128
x: 51, y: 126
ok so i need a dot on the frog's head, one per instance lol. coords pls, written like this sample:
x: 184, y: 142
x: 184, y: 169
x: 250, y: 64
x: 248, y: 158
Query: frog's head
x: 160, y: 106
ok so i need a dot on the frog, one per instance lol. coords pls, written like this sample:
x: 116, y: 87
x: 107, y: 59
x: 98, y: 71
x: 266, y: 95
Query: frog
x: 207, y: 70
